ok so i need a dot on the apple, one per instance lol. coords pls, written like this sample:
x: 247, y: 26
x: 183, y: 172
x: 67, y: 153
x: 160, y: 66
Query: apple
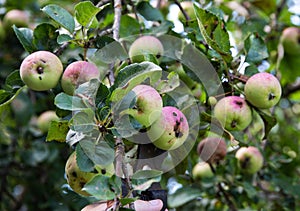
x: 19, y: 18
x: 250, y: 159
x: 290, y: 40
x: 202, y: 170
x: 233, y: 113
x: 41, y: 70
x: 144, y: 46
x: 44, y: 120
x: 78, y: 73
x: 212, y: 149
x: 263, y: 90
x: 171, y: 129
x: 212, y: 101
x: 148, y: 105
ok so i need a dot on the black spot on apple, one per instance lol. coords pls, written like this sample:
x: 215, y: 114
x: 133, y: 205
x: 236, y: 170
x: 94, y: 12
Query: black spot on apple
x: 271, y: 96
x: 178, y: 134
x: 245, y: 162
x: 82, y: 184
x: 174, y: 114
x: 40, y: 77
x: 233, y: 124
x: 239, y: 103
x: 74, y: 174
x: 40, y: 70
x: 42, y: 60
x: 103, y: 171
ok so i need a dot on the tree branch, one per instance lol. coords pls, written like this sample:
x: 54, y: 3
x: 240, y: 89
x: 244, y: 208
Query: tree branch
x: 186, y: 16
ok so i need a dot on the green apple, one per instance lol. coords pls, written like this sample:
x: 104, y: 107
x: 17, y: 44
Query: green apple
x: 212, y: 149
x: 202, y: 170
x: 144, y: 46
x: 250, y: 159
x: 171, y: 129
x: 263, y: 90
x: 212, y: 101
x: 19, y: 18
x: 78, y: 73
x: 44, y: 120
x: 148, y: 105
x: 290, y: 40
x: 41, y: 70
x: 233, y: 113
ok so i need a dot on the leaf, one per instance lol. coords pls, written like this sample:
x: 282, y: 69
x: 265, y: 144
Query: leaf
x: 256, y: 49
x: 61, y: 16
x: 7, y: 97
x: 148, y: 12
x: 269, y: 120
x: 145, y: 174
x: 99, y: 187
x: 143, y: 179
x: 85, y: 13
x: 100, y: 153
x: 128, y: 26
x: 63, y: 38
x: 45, y: 36
x: 183, y: 196
x: 132, y: 75
x: 25, y: 37
x: 214, y: 32
x: 14, y: 80
x: 83, y: 161
x: 168, y: 85
x: 58, y: 131
x: 89, y: 90
x: 83, y: 121
x: 69, y: 103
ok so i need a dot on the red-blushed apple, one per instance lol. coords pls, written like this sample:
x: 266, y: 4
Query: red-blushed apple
x: 250, y: 159
x: 44, y: 120
x: 41, y: 70
x: 148, y: 105
x: 19, y: 18
x: 202, y: 170
x: 144, y: 46
x: 78, y: 73
x: 263, y: 90
x: 212, y: 149
x: 171, y: 129
x: 290, y: 40
x: 233, y: 113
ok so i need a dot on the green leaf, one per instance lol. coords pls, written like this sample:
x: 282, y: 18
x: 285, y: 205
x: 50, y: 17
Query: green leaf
x: 168, y: 85
x: 146, y: 174
x: 100, y: 188
x: 25, y: 37
x: 61, y: 16
x: 256, y: 49
x: 128, y: 26
x: 58, y: 131
x: 45, y: 36
x: 85, y: 13
x: 69, y: 103
x: 7, y: 97
x: 14, y: 80
x: 269, y: 120
x: 63, y: 38
x: 135, y: 74
x: 100, y: 153
x: 83, y: 121
x: 89, y: 90
x: 148, y: 12
x: 143, y: 179
x: 83, y: 161
x: 183, y: 196
x: 214, y: 32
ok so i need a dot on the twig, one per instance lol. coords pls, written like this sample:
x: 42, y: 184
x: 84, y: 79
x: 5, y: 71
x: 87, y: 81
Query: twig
x: 103, y: 2
x: 186, y: 16
x: 227, y: 198
x: 119, y: 156
x: 117, y: 19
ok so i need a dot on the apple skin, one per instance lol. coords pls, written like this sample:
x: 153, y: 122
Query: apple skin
x: 290, y: 40
x: 263, y: 90
x: 212, y: 149
x: 250, y: 159
x: 202, y: 170
x: 171, y: 129
x: 15, y: 17
x: 78, y: 73
x: 44, y: 120
x: 148, y: 106
x: 41, y: 70
x: 143, y: 46
x: 233, y: 113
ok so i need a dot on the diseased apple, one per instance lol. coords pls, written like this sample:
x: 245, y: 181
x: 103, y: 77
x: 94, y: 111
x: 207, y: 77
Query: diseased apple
x: 263, y: 90
x: 41, y: 70
x: 202, y: 170
x: 19, y: 18
x: 212, y: 149
x: 290, y: 40
x: 78, y: 73
x: 44, y: 120
x: 171, y: 129
x: 250, y: 159
x: 233, y: 113
x: 148, y: 105
x: 144, y: 46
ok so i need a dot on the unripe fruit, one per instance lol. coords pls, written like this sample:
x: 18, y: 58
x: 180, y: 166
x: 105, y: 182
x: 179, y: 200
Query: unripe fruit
x: 41, y: 70
x: 148, y: 106
x: 44, y: 120
x: 290, y: 40
x: 15, y: 17
x: 171, y: 129
x: 212, y: 101
x: 144, y: 46
x: 212, y: 149
x: 263, y: 90
x: 233, y: 113
x: 250, y: 160
x: 202, y: 170
x: 78, y: 73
